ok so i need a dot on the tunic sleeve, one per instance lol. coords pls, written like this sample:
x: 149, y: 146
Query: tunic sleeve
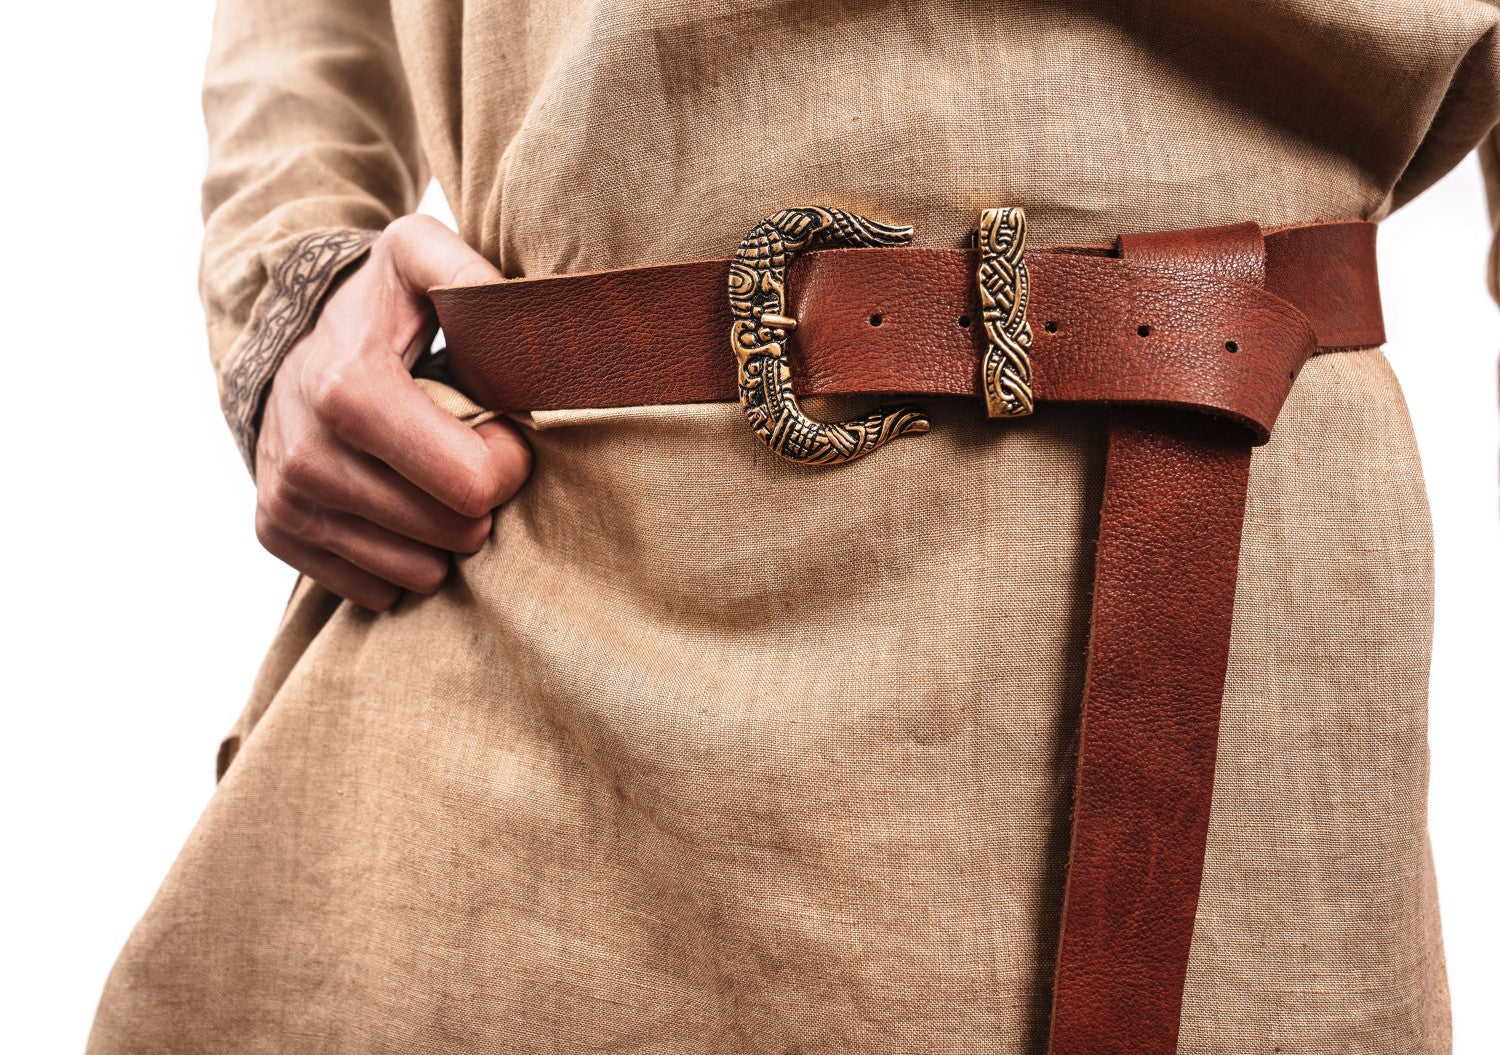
x: 313, y: 148
x: 1489, y: 164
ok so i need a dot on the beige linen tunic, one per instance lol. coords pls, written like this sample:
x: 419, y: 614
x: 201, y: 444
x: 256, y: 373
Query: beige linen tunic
x: 708, y: 753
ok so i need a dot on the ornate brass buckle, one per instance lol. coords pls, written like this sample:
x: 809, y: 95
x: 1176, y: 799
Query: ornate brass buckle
x: 757, y: 290
x: 761, y: 330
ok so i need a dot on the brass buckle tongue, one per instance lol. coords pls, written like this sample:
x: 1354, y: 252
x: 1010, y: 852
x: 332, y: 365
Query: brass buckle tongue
x: 761, y: 330
x: 757, y: 293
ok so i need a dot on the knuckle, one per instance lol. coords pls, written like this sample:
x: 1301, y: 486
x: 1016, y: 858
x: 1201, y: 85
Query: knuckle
x: 478, y: 490
x: 301, y: 468
x: 312, y: 525
x: 390, y: 238
x: 288, y: 516
x: 401, y: 232
x: 274, y: 539
x: 329, y: 393
x: 266, y: 532
x: 276, y: 502
x: 506, y: 469
x: 402, y: 226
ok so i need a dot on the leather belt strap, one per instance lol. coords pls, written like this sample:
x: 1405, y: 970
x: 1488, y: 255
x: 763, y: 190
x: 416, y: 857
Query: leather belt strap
x: 651, y: 335
x: 1193, y: 338
x: 1164, y: 579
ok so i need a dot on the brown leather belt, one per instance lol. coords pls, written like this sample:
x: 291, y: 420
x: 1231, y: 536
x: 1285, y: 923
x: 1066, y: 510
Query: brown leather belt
x: 1193, y: 338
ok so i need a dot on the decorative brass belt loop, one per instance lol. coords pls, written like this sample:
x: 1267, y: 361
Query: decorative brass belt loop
x: 1004, y: 288
x: 757, y: 292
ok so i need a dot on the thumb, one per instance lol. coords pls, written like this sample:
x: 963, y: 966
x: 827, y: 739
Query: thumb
x: 510, y: 456
x: 425, y: 254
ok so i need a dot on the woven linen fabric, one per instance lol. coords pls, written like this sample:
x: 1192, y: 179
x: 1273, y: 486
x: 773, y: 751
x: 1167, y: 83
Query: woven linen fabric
x: 709, y: 753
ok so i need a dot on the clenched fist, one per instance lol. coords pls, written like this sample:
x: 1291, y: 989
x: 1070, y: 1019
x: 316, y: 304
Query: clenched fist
x: 362, y: 482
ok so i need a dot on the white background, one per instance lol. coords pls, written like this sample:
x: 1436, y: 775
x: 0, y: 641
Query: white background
x: 137, y: 605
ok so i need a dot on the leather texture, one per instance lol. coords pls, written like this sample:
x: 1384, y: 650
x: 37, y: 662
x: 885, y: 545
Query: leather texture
x: 1193, y: 338
x: 907, y: 320
x: 1164, y: 582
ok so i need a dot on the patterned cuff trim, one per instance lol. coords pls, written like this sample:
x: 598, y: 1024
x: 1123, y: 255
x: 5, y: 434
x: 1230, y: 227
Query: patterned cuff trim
x: 296, y: 292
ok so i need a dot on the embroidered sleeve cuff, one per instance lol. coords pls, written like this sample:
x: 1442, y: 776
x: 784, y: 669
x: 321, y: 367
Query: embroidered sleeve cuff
x: 282, y: 314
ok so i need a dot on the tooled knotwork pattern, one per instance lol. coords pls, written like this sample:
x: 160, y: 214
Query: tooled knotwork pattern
x: 757, y: 288
x: 295, y: 291
x: 1004, y: 287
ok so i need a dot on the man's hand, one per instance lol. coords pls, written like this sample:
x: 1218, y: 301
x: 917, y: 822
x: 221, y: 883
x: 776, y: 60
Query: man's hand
x: 362, y: 482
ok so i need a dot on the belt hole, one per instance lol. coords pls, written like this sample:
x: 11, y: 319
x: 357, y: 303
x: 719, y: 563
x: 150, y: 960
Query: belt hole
x: 1050, y: 326
x: 876, y: 319
x: 1144, y: 331
x: 1231, y: 346
x: 963, y: 320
